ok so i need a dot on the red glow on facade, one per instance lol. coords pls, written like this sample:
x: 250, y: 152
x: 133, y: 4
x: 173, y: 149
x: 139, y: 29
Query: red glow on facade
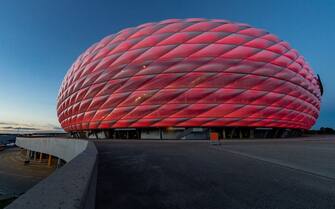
x: 189, y: 73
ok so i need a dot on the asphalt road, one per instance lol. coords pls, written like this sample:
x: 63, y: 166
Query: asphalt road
x: 184, y: 174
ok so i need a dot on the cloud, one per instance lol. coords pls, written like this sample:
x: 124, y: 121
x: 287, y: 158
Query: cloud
x: 21, y: 128
x: 7, y: 123
x: 13, y: 127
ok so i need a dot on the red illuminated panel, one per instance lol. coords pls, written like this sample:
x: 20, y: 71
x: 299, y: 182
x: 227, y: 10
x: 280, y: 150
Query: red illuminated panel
x: 190, y: 72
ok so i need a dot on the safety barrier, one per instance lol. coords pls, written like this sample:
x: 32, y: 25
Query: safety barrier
x: 72, y: 186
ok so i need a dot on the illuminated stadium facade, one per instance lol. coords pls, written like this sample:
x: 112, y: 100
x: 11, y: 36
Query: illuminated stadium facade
x: 185, y: 79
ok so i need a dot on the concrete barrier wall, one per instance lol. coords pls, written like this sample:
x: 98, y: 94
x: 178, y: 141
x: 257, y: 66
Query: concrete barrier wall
x: 73, y: 186
x: 66, y: 149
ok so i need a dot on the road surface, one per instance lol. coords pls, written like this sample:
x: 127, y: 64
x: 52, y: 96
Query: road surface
x: 265, y: 174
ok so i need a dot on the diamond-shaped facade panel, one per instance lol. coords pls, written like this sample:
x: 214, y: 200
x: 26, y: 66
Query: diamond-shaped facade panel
x: 190, y: 72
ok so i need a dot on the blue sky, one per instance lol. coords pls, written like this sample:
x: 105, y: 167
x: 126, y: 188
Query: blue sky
x: 39, y: 40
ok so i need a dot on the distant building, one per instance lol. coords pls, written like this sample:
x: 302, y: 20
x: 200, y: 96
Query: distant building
x: 187, y: 78
x: 7, y: 138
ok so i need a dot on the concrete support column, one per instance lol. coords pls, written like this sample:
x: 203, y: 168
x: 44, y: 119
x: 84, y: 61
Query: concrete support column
x: 35, y: 156
x: 49, y: 160
x: 28, y: 155
x: 223, y: 133
x: 41, y: 156
x: 232, y: 133
x: 58, y: 162
x: 252, y: 133
x: 160, y: 134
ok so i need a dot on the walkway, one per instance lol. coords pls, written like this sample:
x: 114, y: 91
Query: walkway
x: 247, y: 174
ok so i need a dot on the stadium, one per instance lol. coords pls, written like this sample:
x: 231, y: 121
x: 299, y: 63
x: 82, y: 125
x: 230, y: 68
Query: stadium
x: 189, y: 79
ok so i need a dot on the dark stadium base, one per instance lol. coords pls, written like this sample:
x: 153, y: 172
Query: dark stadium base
x: 192, y: 133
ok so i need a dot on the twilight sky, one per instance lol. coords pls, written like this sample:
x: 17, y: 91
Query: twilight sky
x: 39, y: 40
